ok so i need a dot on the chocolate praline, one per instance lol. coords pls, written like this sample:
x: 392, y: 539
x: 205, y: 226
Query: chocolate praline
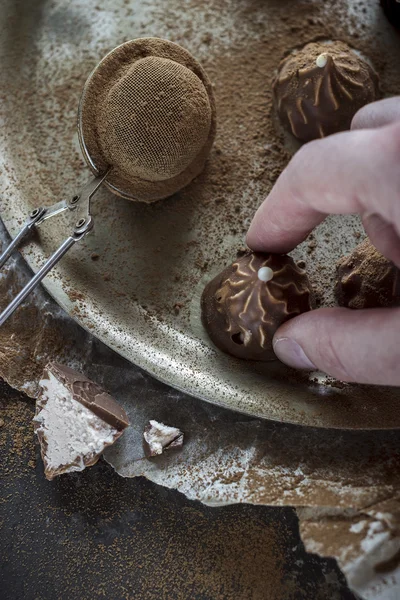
x: 366, y: 279
x: 391, y: 9
x: 319, y: 89
x: 244, y: 305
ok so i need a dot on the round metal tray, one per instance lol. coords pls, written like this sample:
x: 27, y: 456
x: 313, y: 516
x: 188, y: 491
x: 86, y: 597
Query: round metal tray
x: 135, y: 283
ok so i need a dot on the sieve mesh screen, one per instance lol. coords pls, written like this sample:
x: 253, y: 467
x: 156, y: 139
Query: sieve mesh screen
x: 148, y: 111
x: 155, y: 119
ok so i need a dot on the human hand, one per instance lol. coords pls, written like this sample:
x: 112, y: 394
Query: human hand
x: 357, y: 171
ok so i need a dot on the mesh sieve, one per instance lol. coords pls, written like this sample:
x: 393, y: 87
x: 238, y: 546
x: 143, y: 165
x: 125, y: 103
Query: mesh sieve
x: 155, y: 120
x: 148, y: 111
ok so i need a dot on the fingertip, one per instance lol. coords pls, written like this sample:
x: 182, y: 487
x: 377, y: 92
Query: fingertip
x: 351, y: 345
x: 292, y: 354
x: 362, y: 119
x: 253, y: 237
x: 377, y: 114
x: 259, y: 237
x: 316, y: 334
x: 268, y: 234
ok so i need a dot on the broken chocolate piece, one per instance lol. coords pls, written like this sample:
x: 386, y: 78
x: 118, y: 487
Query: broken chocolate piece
x: 75, y: 420
x: 159, y: 437
x: 91, y: 395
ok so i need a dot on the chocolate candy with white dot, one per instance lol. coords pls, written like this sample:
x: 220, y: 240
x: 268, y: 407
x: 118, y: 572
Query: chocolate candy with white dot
x: 319, y: 88
x: 243, y: 306
x: 392, y: 11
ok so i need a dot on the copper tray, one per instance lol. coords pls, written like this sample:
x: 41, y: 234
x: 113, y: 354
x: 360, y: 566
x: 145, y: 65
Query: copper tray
x: 136, y: 282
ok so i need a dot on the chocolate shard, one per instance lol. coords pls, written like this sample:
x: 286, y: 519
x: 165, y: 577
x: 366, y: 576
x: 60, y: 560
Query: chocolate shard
x: 159, y: 437
x: 91, y: 395
x: 367, y: 279
x: 244, y: 305
x: 319, y: 88
x: 75, y: 421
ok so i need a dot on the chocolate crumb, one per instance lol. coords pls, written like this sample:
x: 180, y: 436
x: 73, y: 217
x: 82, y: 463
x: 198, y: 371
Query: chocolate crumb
x: 159, y: 437
x: 177, y: 307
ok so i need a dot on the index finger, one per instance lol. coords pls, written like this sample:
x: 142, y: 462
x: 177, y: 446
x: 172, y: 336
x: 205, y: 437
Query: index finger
x: 350, y: 172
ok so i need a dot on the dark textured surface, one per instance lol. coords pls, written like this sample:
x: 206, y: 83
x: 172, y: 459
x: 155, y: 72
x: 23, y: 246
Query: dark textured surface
x: 96, y: 535
x: 392, y: 11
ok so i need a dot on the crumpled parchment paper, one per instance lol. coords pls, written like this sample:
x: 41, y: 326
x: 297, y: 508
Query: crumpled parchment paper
x: 345, y: 485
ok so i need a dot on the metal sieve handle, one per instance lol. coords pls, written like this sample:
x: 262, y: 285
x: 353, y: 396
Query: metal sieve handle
x: 36, y: 279
x: 79, y: 203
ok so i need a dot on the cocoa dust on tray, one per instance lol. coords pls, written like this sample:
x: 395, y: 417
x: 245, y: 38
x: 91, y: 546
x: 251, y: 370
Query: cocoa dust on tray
x: 250, y: 144
x: 240, y: 45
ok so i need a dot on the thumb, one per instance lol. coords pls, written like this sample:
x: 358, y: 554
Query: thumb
x: 360, y: 346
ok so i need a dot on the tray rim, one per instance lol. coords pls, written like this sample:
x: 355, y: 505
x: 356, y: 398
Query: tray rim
x: 47, y: 285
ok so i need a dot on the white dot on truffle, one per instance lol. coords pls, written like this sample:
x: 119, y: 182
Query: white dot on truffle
x: 265, y: 274
x: 321, y: 61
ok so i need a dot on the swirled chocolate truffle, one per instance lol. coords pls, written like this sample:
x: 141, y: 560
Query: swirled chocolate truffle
x: 391, y: 9
x: 319, y: 88
x: 366, y: 279
x: 243, y: 306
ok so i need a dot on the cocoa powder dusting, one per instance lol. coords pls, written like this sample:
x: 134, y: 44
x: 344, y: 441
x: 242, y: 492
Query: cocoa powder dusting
x: 34, y: 336
x: 178, y: 243
x: 16, y: 432
x: 250, y: 546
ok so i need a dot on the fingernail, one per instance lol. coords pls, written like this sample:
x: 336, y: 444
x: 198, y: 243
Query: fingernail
x: 292, y: 354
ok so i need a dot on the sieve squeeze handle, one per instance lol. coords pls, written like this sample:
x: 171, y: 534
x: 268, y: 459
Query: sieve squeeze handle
x: 37, y: 216
x: 36, y: 279
x: 30, y: 223
x: 80, y: 205
x: 80, y: 231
